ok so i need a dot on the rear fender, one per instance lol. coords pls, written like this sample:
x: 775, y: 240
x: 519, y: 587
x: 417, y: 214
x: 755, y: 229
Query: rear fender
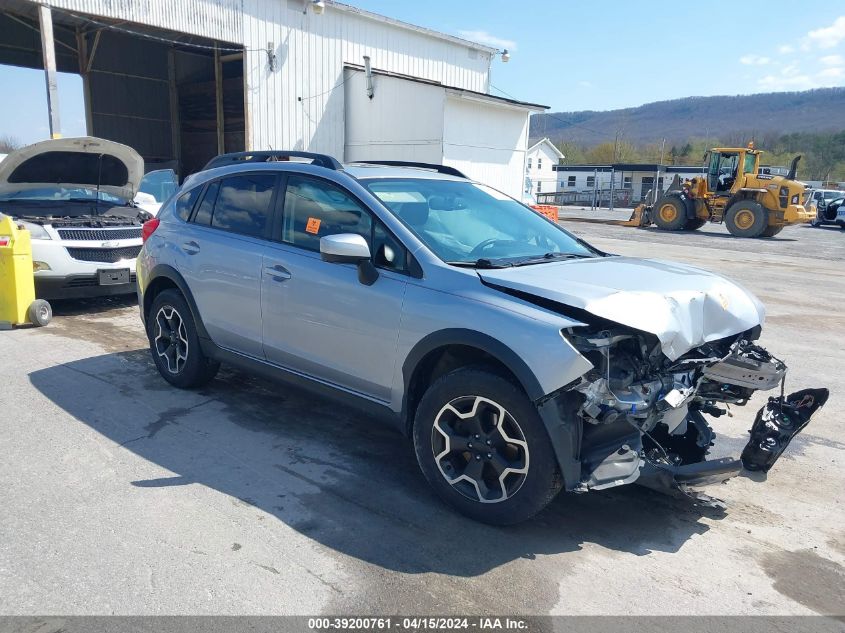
x: 163, y: 271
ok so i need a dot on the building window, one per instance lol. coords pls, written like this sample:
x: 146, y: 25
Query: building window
x: 627, y: 182
x: 591, y: 181
x: 570, y: 181
x: 539, y: 163
x: 647, y: 185
x: 529, y: 162
x: 562, y: 184
x: 539, y: 186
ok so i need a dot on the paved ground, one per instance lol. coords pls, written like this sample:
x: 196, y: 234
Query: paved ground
x: 122, y: 495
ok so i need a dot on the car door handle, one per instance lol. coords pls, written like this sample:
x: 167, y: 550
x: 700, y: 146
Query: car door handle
x: 191, y: 248
x: 277, y: 272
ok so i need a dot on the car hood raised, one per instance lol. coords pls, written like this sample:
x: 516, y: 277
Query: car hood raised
x: 681, y: 305
x: 73, y: 162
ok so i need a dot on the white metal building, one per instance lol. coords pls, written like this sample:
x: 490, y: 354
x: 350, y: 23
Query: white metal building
x: 540, y: 162
x: 184, y: 80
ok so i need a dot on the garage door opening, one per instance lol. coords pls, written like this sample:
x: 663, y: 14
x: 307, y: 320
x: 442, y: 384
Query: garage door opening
x: 176, y: 99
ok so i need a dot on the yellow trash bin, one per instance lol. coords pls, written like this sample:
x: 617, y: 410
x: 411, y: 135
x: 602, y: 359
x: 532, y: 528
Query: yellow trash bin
x: 18, y: 304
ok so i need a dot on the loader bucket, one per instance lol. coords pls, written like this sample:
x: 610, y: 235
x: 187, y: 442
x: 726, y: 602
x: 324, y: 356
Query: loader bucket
x: 641, y: 217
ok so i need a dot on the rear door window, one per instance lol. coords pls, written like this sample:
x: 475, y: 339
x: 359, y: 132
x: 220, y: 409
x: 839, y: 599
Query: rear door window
x: 243, y: 204
x: 203, y: 214
x: 185, y: 203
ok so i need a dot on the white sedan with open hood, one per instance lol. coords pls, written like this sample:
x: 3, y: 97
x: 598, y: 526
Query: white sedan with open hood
x: 75, y: 196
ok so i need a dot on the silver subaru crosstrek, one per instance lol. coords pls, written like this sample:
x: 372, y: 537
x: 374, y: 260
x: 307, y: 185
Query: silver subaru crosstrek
x: 519, y: 359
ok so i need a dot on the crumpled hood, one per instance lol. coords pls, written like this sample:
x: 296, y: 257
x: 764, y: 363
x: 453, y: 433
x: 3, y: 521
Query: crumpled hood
x: 73, y: 162
x: 681, y: 305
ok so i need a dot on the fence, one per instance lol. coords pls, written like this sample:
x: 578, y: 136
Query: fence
x: 588, y: 197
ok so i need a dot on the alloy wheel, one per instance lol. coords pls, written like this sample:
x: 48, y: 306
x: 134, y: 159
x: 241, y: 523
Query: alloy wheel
x: 171, y: 341
x: 480, y: 449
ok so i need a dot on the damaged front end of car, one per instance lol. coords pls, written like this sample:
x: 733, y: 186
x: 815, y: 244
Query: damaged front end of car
x: 643, y: 417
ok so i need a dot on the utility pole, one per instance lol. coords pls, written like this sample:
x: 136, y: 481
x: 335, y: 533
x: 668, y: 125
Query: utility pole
x: 657, y: 173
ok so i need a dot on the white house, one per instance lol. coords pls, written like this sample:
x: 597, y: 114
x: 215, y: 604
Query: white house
x: 539, y: 167
x: 182, y: 81
x: 629, y: 181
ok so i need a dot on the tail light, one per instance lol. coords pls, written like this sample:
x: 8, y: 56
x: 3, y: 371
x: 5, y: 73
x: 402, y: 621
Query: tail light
x: 149, y: 228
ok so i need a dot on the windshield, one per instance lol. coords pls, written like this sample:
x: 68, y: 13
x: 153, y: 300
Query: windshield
x: 60, y: 194
x: 466, y: 223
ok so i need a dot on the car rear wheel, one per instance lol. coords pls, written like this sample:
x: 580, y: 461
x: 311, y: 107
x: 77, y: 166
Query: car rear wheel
x: 483, y: 448
x: 174, y: 343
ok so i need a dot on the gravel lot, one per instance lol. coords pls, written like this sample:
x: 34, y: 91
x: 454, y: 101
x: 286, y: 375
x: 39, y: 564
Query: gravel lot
x: 123, y: 495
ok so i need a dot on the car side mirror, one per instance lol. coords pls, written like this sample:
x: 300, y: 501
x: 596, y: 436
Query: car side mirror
x: 350, y: 248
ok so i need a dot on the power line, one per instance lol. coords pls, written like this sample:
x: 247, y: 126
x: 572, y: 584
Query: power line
x: 326, y: 92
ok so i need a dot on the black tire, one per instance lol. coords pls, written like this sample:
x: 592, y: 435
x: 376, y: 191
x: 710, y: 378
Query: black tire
x: 670, y: 214
x: 694, y: 224
x: 40, y: 313
x: 174, y: 343
x: 771, y: 231
x: 746, y: 218
x: 522, y: 493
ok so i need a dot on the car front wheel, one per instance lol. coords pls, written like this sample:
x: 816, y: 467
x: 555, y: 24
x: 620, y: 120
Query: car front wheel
x: 482, y: 446
x: 174, y: 343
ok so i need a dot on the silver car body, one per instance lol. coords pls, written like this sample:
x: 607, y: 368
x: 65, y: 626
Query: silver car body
x: 287, y: 309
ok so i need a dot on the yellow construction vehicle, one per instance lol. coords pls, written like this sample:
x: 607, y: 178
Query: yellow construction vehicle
x: 732, y: 190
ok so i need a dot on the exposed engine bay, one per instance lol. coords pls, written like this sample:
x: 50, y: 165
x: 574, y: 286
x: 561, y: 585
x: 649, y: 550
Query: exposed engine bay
x: 77, y: 214
x: 643, y: 415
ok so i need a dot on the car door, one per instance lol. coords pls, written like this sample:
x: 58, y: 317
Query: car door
x: 222, y: 254
x: 318, y: 318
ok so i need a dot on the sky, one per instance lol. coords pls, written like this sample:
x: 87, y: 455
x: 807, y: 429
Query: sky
x: 577, y: 54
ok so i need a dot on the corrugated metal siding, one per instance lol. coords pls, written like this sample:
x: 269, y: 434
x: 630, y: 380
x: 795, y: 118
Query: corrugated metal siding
x: 487, y: 142
x: 217, y: 19
x: 300, y: 105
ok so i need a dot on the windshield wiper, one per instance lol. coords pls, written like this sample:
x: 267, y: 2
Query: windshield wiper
x: 550, y: 257
x: 482, y: 263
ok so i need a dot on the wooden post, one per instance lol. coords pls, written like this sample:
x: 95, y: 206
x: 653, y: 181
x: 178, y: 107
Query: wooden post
x: 48, y: 53
x: 218, y: 91
x: 175, y: 123
x: 247, y: 113
x: 84, y: 66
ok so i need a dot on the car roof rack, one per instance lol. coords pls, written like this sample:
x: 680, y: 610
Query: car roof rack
x: 269, y: 156
x: 440, y: 169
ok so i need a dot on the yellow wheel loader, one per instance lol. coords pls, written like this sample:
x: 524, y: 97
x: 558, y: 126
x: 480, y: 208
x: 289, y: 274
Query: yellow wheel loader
x: 732, y: 190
